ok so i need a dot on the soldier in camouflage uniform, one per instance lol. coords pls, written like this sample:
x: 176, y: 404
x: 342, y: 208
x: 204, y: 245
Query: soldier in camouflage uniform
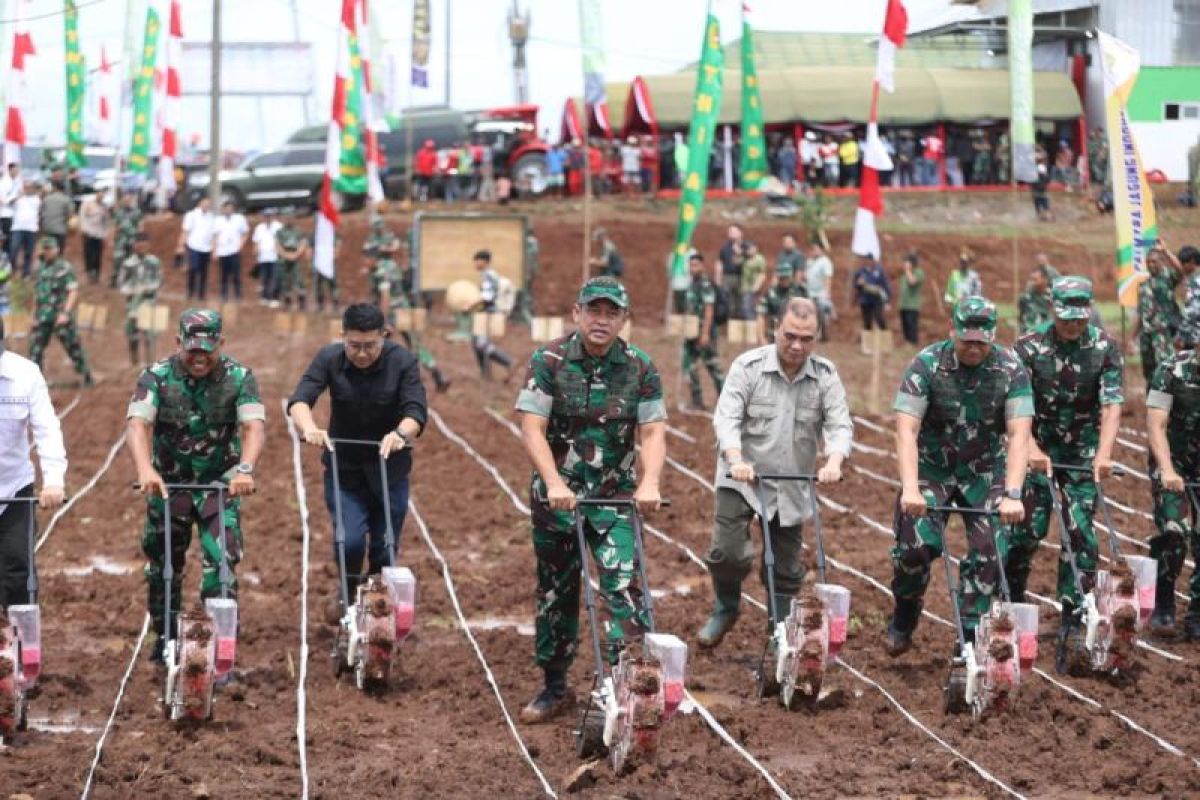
x: 588, y: 397
x: 391, y: 289
x: 139, y: 281
x: 195, y: 417
x: 957, y: 401
x: 1187, y: 262
x: 56, y: 290
x: 127, y: 221
x: 523, y: 311
x: 775, y: 299
x: 1172, y: 419
x: 1157, y: 310
x: 293, y: 247
x: 700, y: 301
x: 322, y: 285
x: 1034, y: 306
x: 1076, y: 372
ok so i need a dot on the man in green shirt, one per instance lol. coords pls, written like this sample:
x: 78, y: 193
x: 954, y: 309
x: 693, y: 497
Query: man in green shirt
x: 754, y: 279
x: 912, y: 281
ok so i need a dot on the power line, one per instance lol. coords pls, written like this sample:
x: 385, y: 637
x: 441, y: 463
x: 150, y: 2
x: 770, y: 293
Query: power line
x: 49, y: 14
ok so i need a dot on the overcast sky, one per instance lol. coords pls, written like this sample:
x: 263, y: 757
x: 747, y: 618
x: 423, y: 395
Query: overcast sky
x: 640, y: 36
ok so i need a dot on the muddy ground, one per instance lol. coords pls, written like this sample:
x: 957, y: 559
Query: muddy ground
x: 439, y: 732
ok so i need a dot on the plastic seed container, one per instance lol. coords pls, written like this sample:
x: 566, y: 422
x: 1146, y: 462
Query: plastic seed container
x: 837, y: 606
x: 27, y: 620
x: 1145, y: 573
x: 402, y: 588
x: 223, y: 613
x: 671, y: 652
x: 1025, y: 623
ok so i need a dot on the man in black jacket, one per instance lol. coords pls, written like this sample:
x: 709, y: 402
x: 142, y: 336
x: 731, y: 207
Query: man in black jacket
x: 376, y: 395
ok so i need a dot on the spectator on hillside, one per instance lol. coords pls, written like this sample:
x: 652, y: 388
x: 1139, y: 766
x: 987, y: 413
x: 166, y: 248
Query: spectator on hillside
x: 196, y: 236
x: 849, y: 156
x: 556, y: 163
x: 631, y: 166
x: 229, y: 234
x: 1039, y: 189
x: 424, y: 167
x: 912, y: 282
x: 754, y: 281
x: 906, y: 159
x: 26, y: 216
x: 872, y: 292
x: 648, y: 163
x: 791, y: 259
x: 681, y: 159
x: 608, y: 260
x: 829, y: 160
x: 266, y: 255
x: 729, y: 267
x: 933, y: 150
x: 818, y: 279
x: 11, y: 187
x: 963, y: 281
x: 810, y: 158
x: 786, y: 159
x: 94, y: 219
x: 55, y: 212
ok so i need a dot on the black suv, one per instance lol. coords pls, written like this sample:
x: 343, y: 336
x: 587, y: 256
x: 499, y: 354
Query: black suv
x: 289, y: 176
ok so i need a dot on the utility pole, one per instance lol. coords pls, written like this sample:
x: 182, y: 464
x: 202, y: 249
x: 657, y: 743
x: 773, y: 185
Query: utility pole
x: 518, y: 33
x: 214, y: 112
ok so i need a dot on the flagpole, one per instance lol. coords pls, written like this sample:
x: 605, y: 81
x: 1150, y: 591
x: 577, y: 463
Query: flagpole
x: 214, y: 111
x: 119, y: 111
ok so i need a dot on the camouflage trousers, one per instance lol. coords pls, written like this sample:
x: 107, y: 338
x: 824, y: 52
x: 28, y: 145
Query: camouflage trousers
x: 1177, y: 531
x: 1155, y: 348
x: 1077, y: 493
x: 415, y: 345
x: 323, y: 286
x: 290, y: 287
x: 609, y: 535
x: 138, y: 339
x: 68, y: 334
x: 919, y: 540
x: 693, y: 356
x: 189, y: 509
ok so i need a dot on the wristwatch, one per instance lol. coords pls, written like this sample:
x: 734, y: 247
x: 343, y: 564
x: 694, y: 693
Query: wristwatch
x: 404, y: 437
x: 244, y: 469
x: 1012, y: 494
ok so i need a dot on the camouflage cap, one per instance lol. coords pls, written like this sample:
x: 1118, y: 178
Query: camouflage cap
x: 604, y: 288
x: 975, y: 319
x: 1072, y: 296
x: 200, y: 329
x: 48, y: 241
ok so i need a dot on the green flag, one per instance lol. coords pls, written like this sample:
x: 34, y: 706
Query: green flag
x: 705, y: 107
x: 143, y: 93
x: 1020, y: 70
x: 352, y: 161
x: 753, y: 160
x: 75, y: 87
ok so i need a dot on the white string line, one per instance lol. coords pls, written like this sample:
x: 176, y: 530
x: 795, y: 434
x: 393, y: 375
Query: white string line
x: 75, y: 498
x: 137, y: 649
x: 1133, y: 432
x: 70, y: 407
x: 1040, y: 598
x: 853, y: 671
x: 983, y: 773
x: 707, y: 716
x: 1137, y: 448
x: 524, y: 509
x: 693, y: 412
x: 302, y: 678
x: 684, y: 435
x: 466, y: 629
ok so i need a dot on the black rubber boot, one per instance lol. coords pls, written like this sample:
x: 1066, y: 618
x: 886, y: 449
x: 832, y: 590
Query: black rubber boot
x: 728, y: 596
x: 1191, y: 628
x: 1162, y: 619
x: 1062, y: 652
x: 552, y: 700
x: 697, y: 400
x: 440, y: 382
x: 900, y: 629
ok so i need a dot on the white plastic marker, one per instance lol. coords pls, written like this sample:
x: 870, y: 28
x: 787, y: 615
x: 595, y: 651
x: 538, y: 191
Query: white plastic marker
x: 466, y: 629
x: 302, y: 678
x: 137, y: 649
x: 761, y: 606
x: 87, y: 487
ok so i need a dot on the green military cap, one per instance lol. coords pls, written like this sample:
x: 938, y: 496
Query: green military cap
x: 48, y: 241
x: 200, y: 329
x: 975, y: 319
x: 604, y: 288
x: 1072, y: 296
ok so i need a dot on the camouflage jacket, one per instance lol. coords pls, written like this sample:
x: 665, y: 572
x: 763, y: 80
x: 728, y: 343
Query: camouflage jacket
x: 54, y: 281
x: 196, y: 422
x: 1156, y: 307
x: 1175, y: 388
x: 126, y: 222
x: 386, y: 242
x: 139, y: 281
x: 532, y: 258
x: 963, y: 410
x: 387, y: 275
x: 700, y: 293
x: 594, y: 406
x: 289, y: 237
x: 1035, y: 310
x: 1071, y: 381
x: 773, y: 302
x: 1189, y: 324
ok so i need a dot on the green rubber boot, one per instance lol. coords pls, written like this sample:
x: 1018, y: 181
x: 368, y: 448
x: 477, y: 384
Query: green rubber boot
x: 724, y: 614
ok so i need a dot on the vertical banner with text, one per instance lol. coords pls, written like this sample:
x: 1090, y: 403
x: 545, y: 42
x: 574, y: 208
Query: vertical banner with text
x: 143, y: 96
x: 705, y: 107
x: 752, y: 166
x: 76, y: 86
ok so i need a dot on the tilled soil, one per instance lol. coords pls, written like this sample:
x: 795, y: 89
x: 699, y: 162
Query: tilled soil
x: 439, y: 731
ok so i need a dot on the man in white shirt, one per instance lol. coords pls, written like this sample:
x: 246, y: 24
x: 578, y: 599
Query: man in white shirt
x: 266, y: 254
x: 818, y: 277
x: 196, y: 236
x: 11, y: 187
x: 229, y: 234
x: 27, y: 212
x: 24, y: 406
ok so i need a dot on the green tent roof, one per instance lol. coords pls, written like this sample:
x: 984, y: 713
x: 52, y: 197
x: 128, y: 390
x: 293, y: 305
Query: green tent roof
x: 843, y: 94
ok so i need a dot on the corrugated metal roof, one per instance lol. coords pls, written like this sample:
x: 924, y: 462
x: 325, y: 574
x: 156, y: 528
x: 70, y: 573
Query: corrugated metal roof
x: 783, y: 49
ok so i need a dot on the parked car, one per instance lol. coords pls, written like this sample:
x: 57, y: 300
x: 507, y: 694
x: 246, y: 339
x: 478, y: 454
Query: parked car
x: 289, y: 176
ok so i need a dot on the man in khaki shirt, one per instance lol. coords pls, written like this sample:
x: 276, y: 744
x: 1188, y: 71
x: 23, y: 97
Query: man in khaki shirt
x: 777, y: 403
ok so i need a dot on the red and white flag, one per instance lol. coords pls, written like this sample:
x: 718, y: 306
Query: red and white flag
x: 895, y: 29
x: 875, y: 158
x: 101, y: 103
x: 14, y: 121
x: 170, y: 100
x: 370, y: 139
